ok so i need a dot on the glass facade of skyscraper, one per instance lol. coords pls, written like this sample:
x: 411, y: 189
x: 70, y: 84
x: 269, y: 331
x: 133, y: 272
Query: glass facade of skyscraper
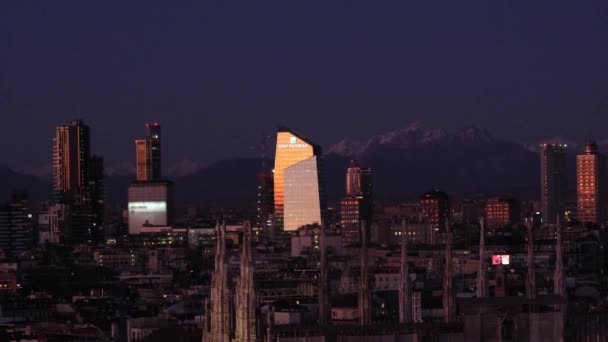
x: 291, y: 149
x: 302, y: 194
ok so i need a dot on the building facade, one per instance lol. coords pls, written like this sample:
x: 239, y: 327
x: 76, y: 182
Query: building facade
x: 553, y: 180
x: 78, y: 182
x: 501, y: 212
x: 71, y: 154
x: 150, y: 204
x: 297, y: 190
x: 358, y: 205
x: 303, y: 201
x: 590, y: 174
x: 434, y: 208
x: 148, y: 154
x: 15, y: 225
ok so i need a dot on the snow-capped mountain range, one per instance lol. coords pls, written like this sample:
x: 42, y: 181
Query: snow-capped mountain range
x: 412, y: 136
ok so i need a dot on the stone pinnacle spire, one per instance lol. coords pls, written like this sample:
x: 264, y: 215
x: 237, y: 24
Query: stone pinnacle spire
x: 220, y: 293
x: 246, y: 318
x: 531, y: 278
x: 448, y: 286
x: 559, y: 286
x: 482, y: 289
x: 405, y: 306
x: 269, y: 325
x: 365, y: 310
x: 322, y: 286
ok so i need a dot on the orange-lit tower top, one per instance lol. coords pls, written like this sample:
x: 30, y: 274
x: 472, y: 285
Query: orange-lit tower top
x: 148, y: 154
x: 71, y: 154
x: 589, y: 184
x: 291, y: 149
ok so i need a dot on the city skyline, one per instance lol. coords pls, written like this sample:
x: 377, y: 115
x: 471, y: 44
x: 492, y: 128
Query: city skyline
x: 326, y: 171
x: 517, y: 69
x: 176, y: 167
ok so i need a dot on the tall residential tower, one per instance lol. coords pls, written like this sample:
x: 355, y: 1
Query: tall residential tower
x: 590, y: 175
x: 357, y: 206
x: 148, y: 154
x: 78, y: 182
x: 71, y: 153
x: 553, y: 180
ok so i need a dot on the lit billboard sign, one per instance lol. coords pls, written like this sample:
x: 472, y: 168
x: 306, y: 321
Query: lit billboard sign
x: 147, y: 213
x: 293, y: 143
x: 500, y: 259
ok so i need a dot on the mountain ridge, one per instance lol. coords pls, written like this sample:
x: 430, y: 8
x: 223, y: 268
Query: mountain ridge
x: 405, y: 162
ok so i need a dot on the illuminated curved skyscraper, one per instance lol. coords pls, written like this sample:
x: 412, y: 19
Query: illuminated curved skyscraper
x: 298, y: 194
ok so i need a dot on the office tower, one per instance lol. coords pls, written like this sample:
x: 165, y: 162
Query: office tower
x: 154, y: 151
x: 357, y: 206
x: 148, y: 154
x: 70, y: 161
x: 265, y: 200
x: 15, y: 225
x: 501, y: 212
x: 590, y: 175
x: 141, y: 160
x: 150, y: 205
x: 435, y: 210
x: 303, y: 204
x: 72, y: 182
x: 553, y: 180
x: 95, y: 190
x: 298, y: 195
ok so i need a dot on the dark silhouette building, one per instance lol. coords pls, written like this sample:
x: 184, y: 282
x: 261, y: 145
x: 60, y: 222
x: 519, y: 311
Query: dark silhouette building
x: 15, y: 225
x: 553, y: 180
x: 78, y: 182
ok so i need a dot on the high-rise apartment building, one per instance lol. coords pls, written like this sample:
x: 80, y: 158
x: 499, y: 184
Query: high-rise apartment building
x: 71, y: 154
x: 590, y: 174
x: 15, y: 225
x: 501, y: 212
x: 357, y: 206
x: 148, y: 154
x: 359, y: 181
x: 553, y: 180
x: 298, y: 196
x: 95, y: 190
x: 141, y: 160
x: 435, y: 210
x: 154, y: 151
x: 265, y: 201
x: 78, y: 182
